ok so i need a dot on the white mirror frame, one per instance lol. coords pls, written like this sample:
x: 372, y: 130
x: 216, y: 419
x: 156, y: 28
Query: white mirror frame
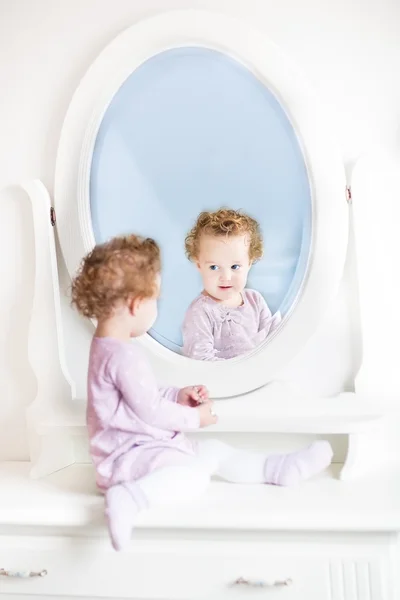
x: 324, y: 163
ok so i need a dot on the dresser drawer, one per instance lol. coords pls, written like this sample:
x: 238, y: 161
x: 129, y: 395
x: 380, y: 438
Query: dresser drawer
x: 193, y: 569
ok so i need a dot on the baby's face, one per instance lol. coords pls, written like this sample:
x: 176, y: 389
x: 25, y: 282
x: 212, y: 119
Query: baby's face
x: 224, y: 265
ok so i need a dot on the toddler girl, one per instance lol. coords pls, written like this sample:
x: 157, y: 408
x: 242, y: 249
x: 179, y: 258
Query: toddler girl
x: 227, y: 319
x: 141, y: 455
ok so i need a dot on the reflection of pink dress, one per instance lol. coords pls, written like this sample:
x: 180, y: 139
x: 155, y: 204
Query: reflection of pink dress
x: 212, y: 331
x: 134, y: 426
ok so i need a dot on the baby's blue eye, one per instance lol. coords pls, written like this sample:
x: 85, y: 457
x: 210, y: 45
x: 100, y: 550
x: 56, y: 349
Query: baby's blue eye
x: 214, y: 267
x: 235, y: 267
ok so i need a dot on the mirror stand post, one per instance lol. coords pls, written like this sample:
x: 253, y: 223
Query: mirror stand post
x: 51, y: 448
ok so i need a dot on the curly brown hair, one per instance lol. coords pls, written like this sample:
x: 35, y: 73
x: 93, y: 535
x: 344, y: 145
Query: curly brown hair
x: 112, y: 272
x: 226, y: 222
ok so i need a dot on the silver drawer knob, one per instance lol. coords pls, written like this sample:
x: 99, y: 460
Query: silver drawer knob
x: 22, y: 574
x: 259, y: 583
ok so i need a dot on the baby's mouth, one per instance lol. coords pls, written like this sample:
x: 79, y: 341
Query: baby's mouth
x: 225, y: 287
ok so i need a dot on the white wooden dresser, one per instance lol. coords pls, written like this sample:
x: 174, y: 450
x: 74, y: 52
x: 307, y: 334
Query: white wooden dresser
x: 326, y: 540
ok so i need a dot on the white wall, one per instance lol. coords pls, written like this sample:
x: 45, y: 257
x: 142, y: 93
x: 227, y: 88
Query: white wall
x: 348, y: 49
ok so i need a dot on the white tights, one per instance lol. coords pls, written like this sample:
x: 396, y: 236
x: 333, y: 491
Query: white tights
x: 180, y: 484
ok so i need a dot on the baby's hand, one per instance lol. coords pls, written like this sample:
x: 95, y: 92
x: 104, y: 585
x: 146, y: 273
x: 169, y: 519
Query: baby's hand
x: 207, y: 415
x: 193, y: 395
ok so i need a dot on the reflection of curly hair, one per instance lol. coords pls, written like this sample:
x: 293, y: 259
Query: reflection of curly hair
x: 123, y: 267
x: 224, y: 222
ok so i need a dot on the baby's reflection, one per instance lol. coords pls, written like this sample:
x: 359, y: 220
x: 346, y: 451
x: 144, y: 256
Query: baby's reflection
x: 227, y: 319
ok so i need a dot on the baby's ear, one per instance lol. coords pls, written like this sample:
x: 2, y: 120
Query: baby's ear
x: 133, y: 305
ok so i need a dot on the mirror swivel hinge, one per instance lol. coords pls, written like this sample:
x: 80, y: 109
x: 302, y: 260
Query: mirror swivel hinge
x: 53, y: 217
